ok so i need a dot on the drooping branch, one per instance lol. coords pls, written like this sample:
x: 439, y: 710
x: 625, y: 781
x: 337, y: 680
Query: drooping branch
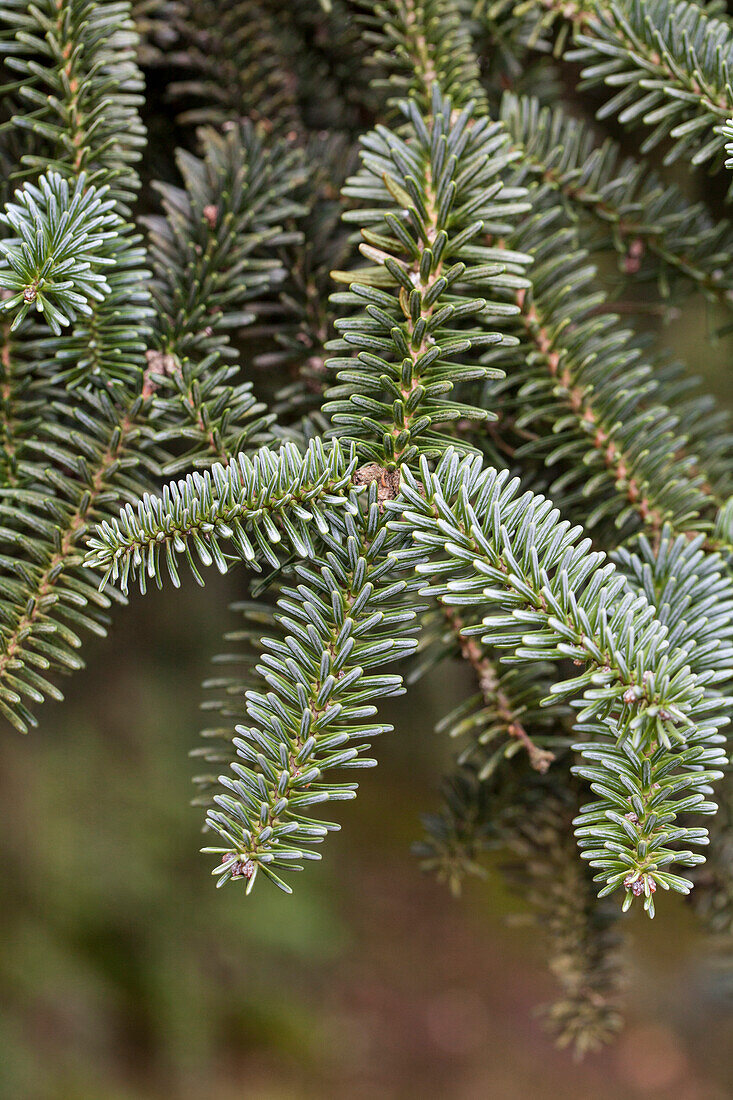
x: 655, y: 745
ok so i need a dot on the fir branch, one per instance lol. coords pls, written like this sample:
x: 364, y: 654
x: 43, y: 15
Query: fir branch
x: 579, y: 387
x: 249, y: 504
x: 80, y: 86
x: 656, y: 232
x: 118, y: 386
x: 661, y: 468
x: 672, y: 62
x: 432, y: 199
x: 680, y: 494
x: 214, y: 251
x: 91, y: 130
x: 654, y: 733
x: 348, y: 617
x: 238, y: 63
x: 90, y: 450
x: 56, y: 254
x: 93, y: 457
x: 211, y: 250
x: 418, y: 44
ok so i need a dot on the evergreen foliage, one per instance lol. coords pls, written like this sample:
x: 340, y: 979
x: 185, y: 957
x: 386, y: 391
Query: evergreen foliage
x: 671, y: 61
x: 57, y: 235
x: 655, y: 231
x: 418, y: 308
x: 212, y: 254
x: 399, y: 380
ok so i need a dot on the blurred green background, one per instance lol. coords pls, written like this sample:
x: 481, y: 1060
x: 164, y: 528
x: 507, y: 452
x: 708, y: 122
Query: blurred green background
x: 124, y: 974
